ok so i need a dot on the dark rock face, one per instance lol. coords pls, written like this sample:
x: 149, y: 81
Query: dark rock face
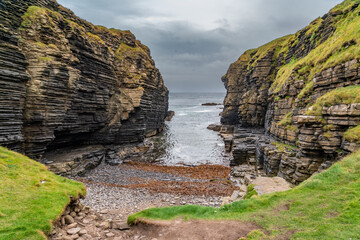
x: 65, y: 82
x: 275, y: 87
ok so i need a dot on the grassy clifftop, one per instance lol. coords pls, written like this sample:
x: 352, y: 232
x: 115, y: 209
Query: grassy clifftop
x: 326, y: 206
x: 31, y: 197
x: 324, y: 43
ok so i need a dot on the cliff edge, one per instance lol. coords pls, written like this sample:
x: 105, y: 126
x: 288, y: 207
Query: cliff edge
x: 303, y: 91
x: 67, y: 83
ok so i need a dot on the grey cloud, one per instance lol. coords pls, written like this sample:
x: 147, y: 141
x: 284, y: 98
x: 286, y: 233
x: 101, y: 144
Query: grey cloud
x: 191, y: 58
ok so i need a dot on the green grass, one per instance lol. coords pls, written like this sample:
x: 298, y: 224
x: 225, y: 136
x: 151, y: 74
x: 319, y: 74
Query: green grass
x: 353, y: 134
x: 339, y: 48
x: 31, y: 197
x: 30, y: 15
x: 326, y: 206
x: 250, y: 191
x: 345, y: 5
x: 282, y: 147
x: 278, y: 45
x: 345, y: 95
x: 125, y: 50
x: 286, y: 120
x: 35, y: 13
x: 45, y: 59
x: 95, y: 38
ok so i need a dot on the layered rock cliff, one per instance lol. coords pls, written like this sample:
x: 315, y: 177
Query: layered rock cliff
x: 65, y: 82
x: 303, y: 91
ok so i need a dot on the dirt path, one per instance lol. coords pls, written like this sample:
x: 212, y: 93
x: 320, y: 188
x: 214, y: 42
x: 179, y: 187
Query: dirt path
x: 194, y: 230
x: 88, y: 224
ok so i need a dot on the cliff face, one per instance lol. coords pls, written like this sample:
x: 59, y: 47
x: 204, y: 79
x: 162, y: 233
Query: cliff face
x: 303, y: 90
x: 65, y: 82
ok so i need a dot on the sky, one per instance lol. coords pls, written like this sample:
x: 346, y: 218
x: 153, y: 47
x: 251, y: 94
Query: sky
x: 193, y: 42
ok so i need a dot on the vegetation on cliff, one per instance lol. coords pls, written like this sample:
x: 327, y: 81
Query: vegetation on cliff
x: 317, y: 53
x: 60, y: 66
x: 31, y: 197
x: 326, y: 206
x: 342, y: 46
x: 315, y: 72
x: 353, y: 134
x: 346, y: 95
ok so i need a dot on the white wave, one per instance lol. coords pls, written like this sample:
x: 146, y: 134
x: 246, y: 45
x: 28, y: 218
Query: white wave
x: 204, y: 111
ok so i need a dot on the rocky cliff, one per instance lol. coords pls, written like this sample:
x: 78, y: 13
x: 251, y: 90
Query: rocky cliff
x: 65, y: 82
x: 303, y: 91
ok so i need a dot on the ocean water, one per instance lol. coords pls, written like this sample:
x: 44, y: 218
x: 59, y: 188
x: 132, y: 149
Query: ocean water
x: 186, y: 139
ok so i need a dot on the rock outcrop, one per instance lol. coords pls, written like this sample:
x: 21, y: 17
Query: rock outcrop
x: 302, y: 91
x: 65, y: 82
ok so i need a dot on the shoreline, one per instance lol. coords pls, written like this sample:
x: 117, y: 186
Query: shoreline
x: 156, y: 185
x: 115, y: 192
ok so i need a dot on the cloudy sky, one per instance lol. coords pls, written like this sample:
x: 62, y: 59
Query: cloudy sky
x: 193, y: 42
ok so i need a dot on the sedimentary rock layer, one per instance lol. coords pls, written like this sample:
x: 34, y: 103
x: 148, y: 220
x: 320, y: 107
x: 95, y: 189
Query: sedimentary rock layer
x: 302, y: 89
x: 65, y: 82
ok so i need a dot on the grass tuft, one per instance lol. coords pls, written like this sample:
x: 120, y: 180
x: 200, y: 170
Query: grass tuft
x: 254, y: 235
x: 286, y: 120
x: 353, y: 134
x: 250, y: 191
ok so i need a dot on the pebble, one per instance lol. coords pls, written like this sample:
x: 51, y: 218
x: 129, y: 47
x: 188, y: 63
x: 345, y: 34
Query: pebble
x: 76, y: 236
x: 110, y: 234
x: 86, y: 221
x: 82, y: 232
x: 69, y: 219
x: 115, y: 203
x: 105, y: 225
x: 73, y: 225
x: 104, y: 211
x: 73, y: 231
x: 104, y: 198
x: 122, y: 226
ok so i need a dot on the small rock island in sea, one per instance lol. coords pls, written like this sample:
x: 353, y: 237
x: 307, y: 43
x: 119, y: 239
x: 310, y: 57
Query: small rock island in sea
x: 210, y: 104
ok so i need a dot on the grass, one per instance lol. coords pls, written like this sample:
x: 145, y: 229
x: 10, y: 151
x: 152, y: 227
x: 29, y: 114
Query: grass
x: 345, y: 5
x: 286, y: 120
x: 282, y: 147
x: 326, y: 206
x: 345, y: 95
x: 339, y: 48
x: 44, y: 59
x: 353, y: 134
x: 34, y: 13
x: 125, y: 50
x: 250, y: 191
x: 31, y: 197
x: 276, y: 45
x: 92, y: 34
x: 30, y: 15
x: 95, y: 38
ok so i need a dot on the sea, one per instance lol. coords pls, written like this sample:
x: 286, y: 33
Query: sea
x: 186, y: 139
